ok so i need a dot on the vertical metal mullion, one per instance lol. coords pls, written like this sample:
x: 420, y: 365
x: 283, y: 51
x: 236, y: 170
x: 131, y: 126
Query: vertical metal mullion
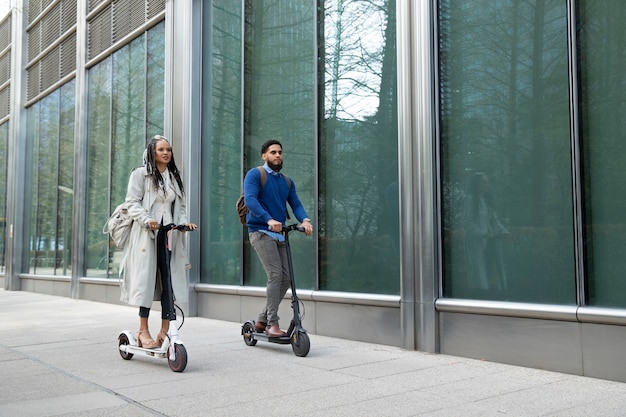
x: 80, y: 182
x: 242, y: 252
x: 145, y: 88
x: 58, y: 174
x: 419, y: 286
x: 437, y: 148
x: 318, y: 100
x: 576, y: 159
x: 408, y: 247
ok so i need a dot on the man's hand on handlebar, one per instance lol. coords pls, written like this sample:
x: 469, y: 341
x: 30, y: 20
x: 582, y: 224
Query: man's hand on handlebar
x: 307, y: 226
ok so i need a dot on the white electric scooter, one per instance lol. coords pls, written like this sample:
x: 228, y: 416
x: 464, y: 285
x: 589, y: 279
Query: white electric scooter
x: 172, y: 347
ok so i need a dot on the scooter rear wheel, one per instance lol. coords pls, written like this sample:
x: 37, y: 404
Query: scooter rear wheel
x: 247, y: 332
x: 300, y: 344
x: 180, y: 362
x: 123, y: 340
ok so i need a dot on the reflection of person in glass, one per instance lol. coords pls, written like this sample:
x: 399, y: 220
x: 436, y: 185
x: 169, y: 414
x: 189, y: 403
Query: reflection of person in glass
x: 483, y: 234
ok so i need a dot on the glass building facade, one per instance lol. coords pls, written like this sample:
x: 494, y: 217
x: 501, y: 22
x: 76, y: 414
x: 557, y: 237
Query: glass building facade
x: 461, y: 163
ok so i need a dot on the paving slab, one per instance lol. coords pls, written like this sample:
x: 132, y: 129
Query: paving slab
x: 59, y: 357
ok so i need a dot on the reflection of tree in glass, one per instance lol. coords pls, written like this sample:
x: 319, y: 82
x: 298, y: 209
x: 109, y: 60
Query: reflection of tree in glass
x: 125, y: 102
x: 358, y: 148
x: 504, y: 93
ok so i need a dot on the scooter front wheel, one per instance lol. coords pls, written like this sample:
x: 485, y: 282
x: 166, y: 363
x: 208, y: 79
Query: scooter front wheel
x: 180, y: 362
x: 123, y: 340
x: 247, y: 331
x: 300, y: 343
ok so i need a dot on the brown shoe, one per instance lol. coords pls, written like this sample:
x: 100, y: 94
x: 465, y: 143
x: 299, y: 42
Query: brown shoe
x: 260, y: 326
x: 146, y: 341
x: 274, y: 331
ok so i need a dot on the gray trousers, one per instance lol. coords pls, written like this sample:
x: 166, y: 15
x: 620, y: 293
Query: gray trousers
x: 273, y: 256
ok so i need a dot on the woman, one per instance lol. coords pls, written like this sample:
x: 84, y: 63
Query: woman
x: 150, y: 271
x: 483, y: 237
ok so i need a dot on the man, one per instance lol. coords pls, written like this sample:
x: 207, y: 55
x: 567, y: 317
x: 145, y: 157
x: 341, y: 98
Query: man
x: 267, y: 213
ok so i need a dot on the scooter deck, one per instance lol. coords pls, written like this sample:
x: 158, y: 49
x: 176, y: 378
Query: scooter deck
x: 158, y: 352
x: 283, y: 340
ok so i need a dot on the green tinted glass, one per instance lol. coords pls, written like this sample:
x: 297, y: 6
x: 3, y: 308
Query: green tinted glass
x: 221, y: 143
x: 126, y: 102
x: 51, y: 139
x: 505, y: 151
x: 603, y: 136
x: 4, y: 148
x: 358, y: 222
x: 279, y: 103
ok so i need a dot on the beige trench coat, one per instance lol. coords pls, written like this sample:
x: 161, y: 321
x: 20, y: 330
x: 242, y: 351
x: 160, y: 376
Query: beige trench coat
x: 138, y: 267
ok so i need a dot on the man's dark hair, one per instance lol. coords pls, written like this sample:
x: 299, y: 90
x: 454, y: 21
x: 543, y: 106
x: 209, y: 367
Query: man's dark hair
x: 269, y: 143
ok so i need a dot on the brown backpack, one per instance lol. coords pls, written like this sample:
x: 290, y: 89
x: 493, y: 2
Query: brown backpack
x: 242, y: 210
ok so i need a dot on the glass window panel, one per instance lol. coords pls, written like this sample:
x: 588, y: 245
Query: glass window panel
x: 43, y: 238
x: 100, y: 87
x: 32, y: 128
x: 221, y: 143
x: 359, y: 228
x: 121, y: 115
x: 279, y: 103
x: 155, y: 96
x: 65, y: 193
x: 128, y: 117
x: 4, y: 148
x: 602, y: 33
x: 505, y: 151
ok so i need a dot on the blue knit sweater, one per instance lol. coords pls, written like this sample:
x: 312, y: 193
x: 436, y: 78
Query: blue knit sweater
x: 270, y: 201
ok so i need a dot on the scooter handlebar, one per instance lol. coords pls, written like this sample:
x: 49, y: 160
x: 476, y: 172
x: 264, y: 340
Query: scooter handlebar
x: 180, y: 227
x: 293, y: 227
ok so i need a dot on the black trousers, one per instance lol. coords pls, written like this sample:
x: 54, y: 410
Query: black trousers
x: 164, y: 256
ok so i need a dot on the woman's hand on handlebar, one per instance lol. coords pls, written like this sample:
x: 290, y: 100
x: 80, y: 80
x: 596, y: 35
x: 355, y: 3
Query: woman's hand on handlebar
x: 188, y: 227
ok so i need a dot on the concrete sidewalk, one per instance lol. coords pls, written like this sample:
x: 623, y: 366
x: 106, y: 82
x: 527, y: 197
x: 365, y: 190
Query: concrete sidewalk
x: 59, y: 357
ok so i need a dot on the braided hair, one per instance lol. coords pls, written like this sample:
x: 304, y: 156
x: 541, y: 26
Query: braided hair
x: 148, y: 159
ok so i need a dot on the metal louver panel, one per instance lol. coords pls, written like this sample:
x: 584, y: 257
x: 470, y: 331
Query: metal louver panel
x: 32, y: 76
x: 5, y: 67
x: 93, y: 4
x: 34, y: 42
x: 36, y: 7
x: 50, y: 27
x: 100, y: 32
x: 118, y: 19
x: 68, y: 55
x: 68, y: 15
x: 49, y: 61
x: 5, y: 102
x: 155, y: 7
x: 5, y: 33
x: 127, y: 16
x: 50, y: 65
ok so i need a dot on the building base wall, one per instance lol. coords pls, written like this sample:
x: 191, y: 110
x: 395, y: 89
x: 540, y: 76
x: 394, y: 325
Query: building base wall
x: 561, y: 346
x: 372, y: 324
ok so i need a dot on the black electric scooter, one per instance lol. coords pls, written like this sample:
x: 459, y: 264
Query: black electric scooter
x: 296, y: 335
x: 172, y: 347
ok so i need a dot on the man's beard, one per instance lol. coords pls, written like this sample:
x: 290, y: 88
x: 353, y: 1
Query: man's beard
x: 275, y: 167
